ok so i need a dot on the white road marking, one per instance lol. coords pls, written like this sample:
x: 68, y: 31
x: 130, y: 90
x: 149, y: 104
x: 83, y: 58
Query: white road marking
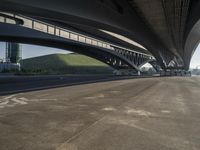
x: 139, y: 112
x: 23, y: 99
x: 47, y: 99
x: 18, y: 101
x: 4, y: 103
x: 165, y: 111
x: 36, y: 100
x: 95, y: 97
x: 9, y: 97
x: 13, y: 100
x: 109, y: 109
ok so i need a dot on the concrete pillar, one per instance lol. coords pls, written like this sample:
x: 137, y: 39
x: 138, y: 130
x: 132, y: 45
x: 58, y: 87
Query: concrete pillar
x: 139, y: 73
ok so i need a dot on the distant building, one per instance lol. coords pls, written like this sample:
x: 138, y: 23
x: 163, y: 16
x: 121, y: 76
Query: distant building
x: 13, y: 55
x: 9, y: 66
x: 13, y: 52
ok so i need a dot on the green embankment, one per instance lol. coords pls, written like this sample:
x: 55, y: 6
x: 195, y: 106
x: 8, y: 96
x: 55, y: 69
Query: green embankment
x: 65, y: 64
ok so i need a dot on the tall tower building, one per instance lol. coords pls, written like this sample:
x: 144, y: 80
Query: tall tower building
x: 13, y: 52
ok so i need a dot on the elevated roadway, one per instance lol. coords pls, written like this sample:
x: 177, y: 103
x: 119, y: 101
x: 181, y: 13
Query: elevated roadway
x: 168, y: 29
x: 18, y: 28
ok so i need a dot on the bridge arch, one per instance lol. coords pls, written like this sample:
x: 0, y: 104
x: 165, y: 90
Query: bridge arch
x: 14, y: 33
x: 192, y: 36
x: 192, y: 42
x: 127, y: 24
x: 153, y: 63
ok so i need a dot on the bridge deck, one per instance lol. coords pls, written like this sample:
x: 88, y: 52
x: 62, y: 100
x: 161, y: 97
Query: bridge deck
x: 157, y: 113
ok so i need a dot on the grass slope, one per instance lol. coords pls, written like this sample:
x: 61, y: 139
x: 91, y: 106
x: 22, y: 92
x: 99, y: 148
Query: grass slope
x: 65, y: 64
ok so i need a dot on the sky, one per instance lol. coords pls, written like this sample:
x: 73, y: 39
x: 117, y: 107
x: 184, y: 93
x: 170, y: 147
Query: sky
x: 29, y: 51
x: 195, y: 58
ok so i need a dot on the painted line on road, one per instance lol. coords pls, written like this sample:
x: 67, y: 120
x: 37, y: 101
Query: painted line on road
x: 8, y: 97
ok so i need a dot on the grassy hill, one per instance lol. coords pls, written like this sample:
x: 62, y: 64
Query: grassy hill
x: 65, y: 64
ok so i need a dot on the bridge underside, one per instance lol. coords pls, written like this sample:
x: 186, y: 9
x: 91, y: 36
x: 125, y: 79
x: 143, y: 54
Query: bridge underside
x: 116, y: 58
x: 167, y: 29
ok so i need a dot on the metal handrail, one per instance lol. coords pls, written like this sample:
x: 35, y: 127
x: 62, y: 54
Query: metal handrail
x: 18, y: 21
x: 58, y: 30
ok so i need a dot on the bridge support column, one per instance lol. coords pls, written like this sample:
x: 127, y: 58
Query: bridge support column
x: 139, y: 73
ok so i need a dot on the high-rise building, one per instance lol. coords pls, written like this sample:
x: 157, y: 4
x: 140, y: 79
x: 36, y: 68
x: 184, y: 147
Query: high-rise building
x: 13, y: 57
x: 13, y: 52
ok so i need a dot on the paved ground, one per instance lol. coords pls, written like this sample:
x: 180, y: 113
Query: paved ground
x: 139, y: 114
x: 14, y: 84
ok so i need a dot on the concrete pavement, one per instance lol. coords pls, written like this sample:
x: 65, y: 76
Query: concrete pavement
x: 139, y: 114
x: 18, y: 84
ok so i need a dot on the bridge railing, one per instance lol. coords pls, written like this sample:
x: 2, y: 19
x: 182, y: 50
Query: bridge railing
x: 58, y: 31
x: 54, y: 30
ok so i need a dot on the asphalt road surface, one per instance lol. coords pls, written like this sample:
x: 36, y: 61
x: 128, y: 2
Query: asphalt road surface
x: 16, y: 84
x: 138, y: 114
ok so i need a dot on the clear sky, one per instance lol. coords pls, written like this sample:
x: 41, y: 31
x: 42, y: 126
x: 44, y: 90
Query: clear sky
x: 33, y: 51
x: 29, y: 51
x: 196, y: 58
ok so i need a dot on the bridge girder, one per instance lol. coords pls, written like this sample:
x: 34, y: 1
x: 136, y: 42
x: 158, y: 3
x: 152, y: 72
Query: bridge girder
x: 167, y: 29
x: 125, y: 21
x: 117, y: 60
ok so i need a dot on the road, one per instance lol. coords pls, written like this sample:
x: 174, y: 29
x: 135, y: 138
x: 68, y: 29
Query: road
x: 136, y: 114
x: 16, y: 84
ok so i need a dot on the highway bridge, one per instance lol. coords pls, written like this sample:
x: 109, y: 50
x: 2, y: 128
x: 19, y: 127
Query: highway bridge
x: 68, y: 113
x: 166, y: 30
x: 24, y: 29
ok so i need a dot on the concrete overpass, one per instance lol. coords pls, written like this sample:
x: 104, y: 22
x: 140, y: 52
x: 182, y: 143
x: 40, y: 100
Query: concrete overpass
x: 169, y: 30
x: 18, y: 28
